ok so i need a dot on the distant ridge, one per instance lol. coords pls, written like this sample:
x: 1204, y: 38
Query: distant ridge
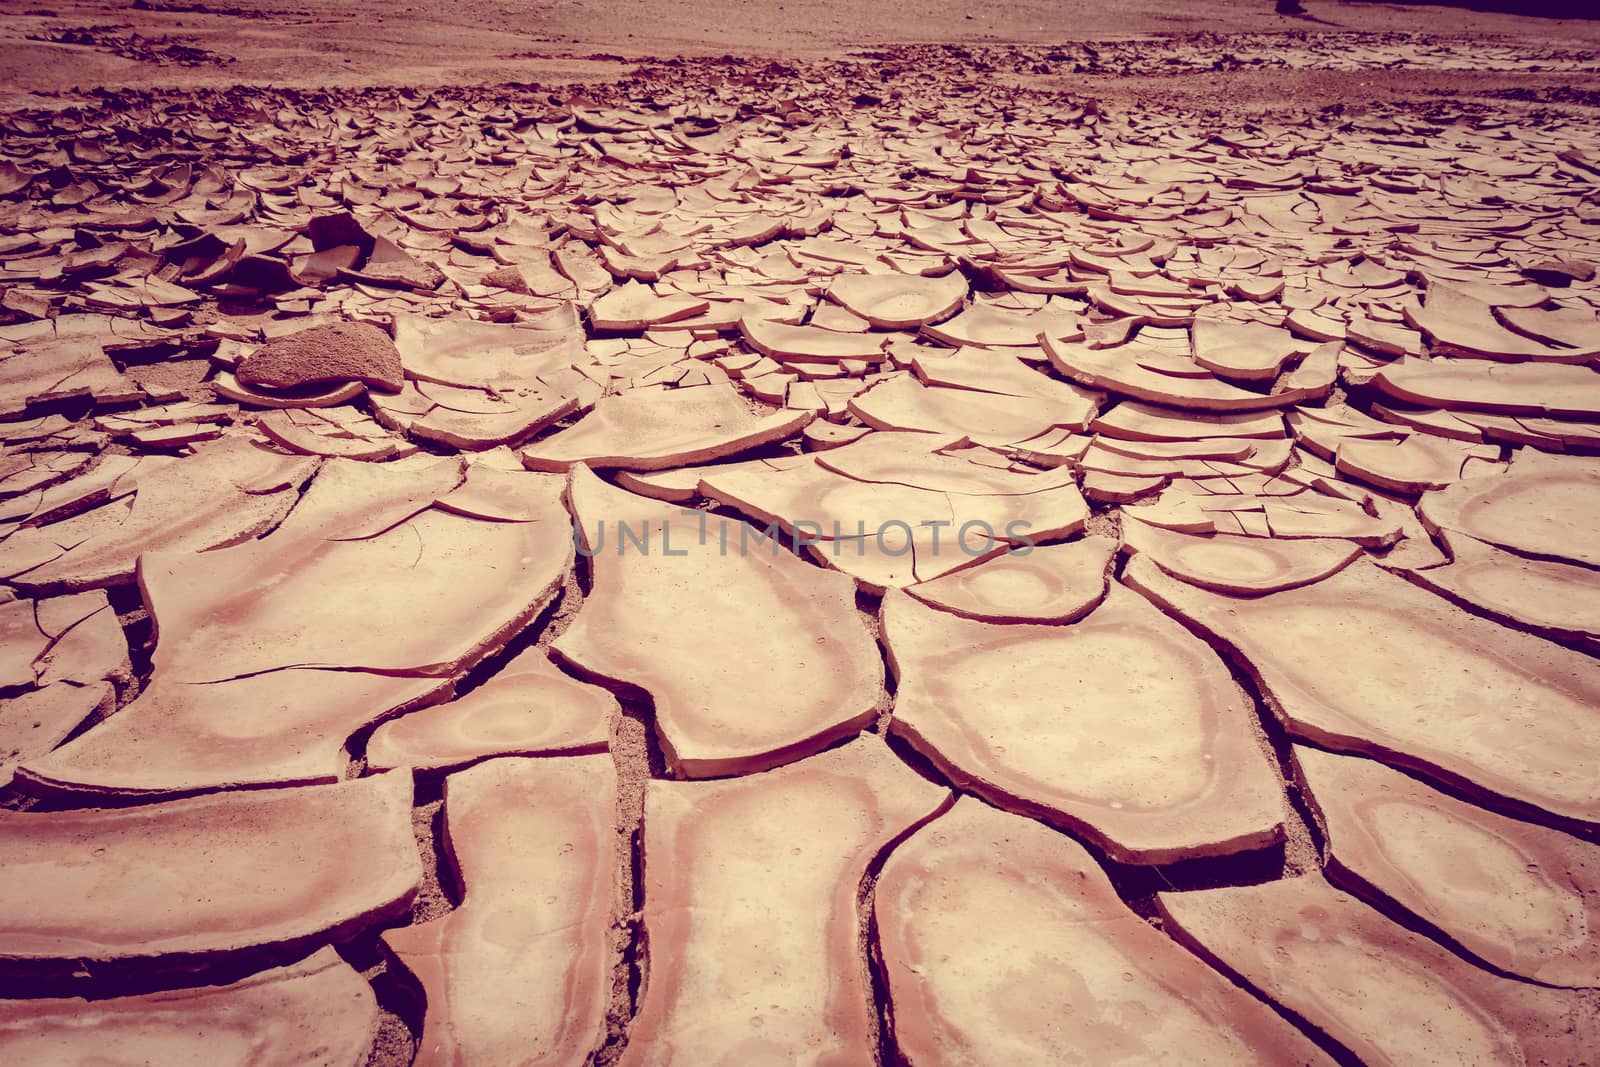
x: 1549, y: 9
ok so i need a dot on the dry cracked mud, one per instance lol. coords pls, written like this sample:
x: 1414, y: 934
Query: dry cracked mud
x: 873, y: 559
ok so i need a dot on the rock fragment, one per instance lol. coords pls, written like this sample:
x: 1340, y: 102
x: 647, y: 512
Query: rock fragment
x: 335, y: 352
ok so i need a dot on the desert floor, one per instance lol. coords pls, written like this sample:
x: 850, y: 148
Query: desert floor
x: 724, y: 533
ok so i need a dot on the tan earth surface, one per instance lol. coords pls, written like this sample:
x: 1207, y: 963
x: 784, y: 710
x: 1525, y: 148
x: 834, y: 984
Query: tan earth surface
x: 746, y: 533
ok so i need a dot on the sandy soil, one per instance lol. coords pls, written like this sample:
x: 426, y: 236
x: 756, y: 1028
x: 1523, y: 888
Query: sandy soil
x: 49, y: 48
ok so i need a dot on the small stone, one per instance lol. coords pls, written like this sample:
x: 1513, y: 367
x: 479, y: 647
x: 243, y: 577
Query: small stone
x: 336, y: 352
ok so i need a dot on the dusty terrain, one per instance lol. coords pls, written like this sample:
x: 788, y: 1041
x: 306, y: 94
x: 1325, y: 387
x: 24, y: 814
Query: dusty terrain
x: 55, y: 47
x: 727, y: 534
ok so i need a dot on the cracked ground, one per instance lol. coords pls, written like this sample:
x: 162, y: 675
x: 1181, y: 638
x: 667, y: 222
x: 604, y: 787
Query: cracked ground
x: 886, y: 559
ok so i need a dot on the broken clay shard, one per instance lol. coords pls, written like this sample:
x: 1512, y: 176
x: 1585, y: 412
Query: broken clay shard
x: 225, y: 493
x: 1414, y: 465
x: 469, y: 354
x: 1243, y: 566
x: 775, y: 663
x: 986, y: 371
x: 1134, y: 421
x: 520, y: 972
x: 239, y: 611
x: 319, y: 1010
x: 1542, y: 506
x: 1553, y: 599
x: 1508, y: 388
x: 249, y: 689
x: 1064, y: 972
x: 528, y: 708
x: 472, y: 418
x: 750, y: 909
x: 86, y: 642
x: 1121, y: 726
x: 1242, y: 351
x: 1044, y: 584
x: 632, y: 307
x: 1461, y: 324
x: 655, y: 428
x: 66, y: 365
x: 808, y: 344
x: 35, y: 722
x: 1116, y: 370
x: 178, y: 737
x: 904, y: 403
x: 894, y: 508
x: 205, y: 879
x: 900, y: 301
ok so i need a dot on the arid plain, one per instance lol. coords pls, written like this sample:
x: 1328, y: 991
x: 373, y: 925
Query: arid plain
x: 735, y: 533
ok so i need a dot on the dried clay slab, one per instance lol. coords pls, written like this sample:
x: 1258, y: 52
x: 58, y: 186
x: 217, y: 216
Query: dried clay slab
x: 1556, y: 600
x: 904, y: 403
x: 1043, y: 583
x: 1133, y: 421
x: 808, y: 344
x: 1231, y: 563
x: 1121, y: 726
x: 1542, y: 506
x: 1507, y: 388
x: 1365, y: 662
x: 528, y: 708
x: 319, y: 1010
x: 472, y: 419
x: 1064, y: 973
x: 465, y: 353
x: 62, y: 639
x: 241, y: 610
x: 750, y: 909
x: 33, y: 723
x: 986, y: 371
x: 207, y: 879
x: 632, y: 307
x: 1390, y: 996
x: 249, y: 689
x: 1243, y: 351
x: 900, y: 301
x: 650, y: 429
x: 224, y: 493
x: 752, y: 656
x: 520, y: 972
x: 1522, y: 897
x: 1117, y: 370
